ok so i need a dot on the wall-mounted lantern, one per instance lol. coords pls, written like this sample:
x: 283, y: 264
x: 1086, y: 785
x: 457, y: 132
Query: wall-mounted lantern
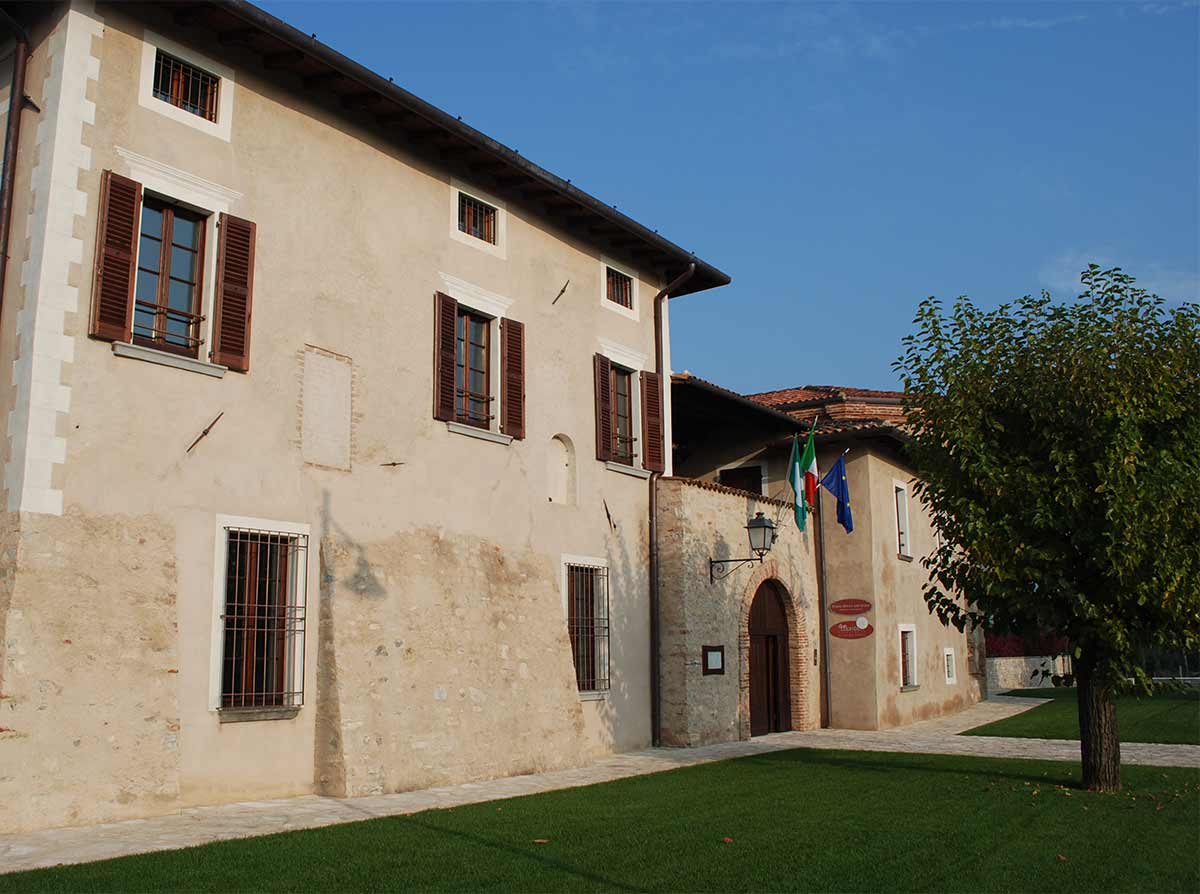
x: 761, y: 531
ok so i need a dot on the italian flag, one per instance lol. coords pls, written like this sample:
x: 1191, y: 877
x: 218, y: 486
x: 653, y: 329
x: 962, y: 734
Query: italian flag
x: 802, y: 475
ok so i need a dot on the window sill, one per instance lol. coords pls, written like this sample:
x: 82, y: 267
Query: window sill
x: 629, y: 313
x: 247, y: 715
x: 166, y: 358
x: 912, y: 688
x: 633, y: 471
x: 482, y: 434
x: 904, y: 558
x: 594, y: 696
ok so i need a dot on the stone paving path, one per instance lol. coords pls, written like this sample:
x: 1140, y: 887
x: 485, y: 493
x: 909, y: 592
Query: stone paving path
x: 201, y: 825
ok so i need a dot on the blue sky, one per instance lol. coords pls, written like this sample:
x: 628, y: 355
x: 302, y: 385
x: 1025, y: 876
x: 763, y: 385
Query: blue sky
x: 839, y: 161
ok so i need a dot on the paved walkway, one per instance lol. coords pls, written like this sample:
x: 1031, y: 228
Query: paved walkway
x: 201, y: 825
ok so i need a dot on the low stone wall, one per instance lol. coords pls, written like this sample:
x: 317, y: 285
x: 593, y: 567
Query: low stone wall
x: 696, y: 522
x: 1018, y: 673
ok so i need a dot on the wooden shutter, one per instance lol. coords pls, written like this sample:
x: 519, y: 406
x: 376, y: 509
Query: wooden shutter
x: 604, y: 420
x: 512, y: 378
x: 445, y: 314
x: 234, y: 292
x: 652, y: 423
x: 116, y: 257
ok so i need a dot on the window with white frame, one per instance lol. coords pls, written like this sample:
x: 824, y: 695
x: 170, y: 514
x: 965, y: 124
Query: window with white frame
x: 478, y: 219
x: 185, y: 86
x: 903, y: 539
x: 948, y: 661
x: 262, y: 582
x: 586, y: 595
x: 619, y: 407
x: 618, y: 289
x: 908, y: 656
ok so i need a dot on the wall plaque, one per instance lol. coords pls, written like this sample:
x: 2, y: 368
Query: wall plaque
x: 851, y: 629
x: 850, y: 607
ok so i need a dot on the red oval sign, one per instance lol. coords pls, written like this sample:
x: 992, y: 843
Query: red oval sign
x: 850, y: 630
x: 850, y: 607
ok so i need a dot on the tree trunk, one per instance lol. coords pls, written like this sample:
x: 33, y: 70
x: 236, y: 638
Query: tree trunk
x: 1099, y: 744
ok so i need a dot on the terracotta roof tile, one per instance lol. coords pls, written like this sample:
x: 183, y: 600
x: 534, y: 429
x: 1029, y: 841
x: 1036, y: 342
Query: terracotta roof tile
x: 805, y: 393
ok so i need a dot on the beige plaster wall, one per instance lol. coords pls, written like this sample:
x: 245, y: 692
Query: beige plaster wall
x: 434, y: 586
x: 855, y: 669
x: 859, y: 567
x: 696, y: 523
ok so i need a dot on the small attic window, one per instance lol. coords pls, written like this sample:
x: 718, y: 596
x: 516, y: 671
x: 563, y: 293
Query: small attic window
x: 185, y: 86
x: 476, y: 218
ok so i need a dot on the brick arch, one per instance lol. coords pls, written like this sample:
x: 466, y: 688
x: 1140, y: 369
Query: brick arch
x: 797, y: 642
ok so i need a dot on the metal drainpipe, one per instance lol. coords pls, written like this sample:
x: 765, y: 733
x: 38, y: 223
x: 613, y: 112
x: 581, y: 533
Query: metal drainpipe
x: 12, y: 135
x: 655, y: 682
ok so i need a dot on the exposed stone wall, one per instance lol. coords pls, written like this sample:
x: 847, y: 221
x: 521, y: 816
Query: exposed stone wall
x: 89, y: 715
x: 443, y: 647
x: 698, y: 521
x: 1017, y: 673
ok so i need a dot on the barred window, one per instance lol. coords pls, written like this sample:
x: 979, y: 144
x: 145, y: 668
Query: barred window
x: 620, y: 288
x: 587, y: 624
x: 476, y: 218
x: 263, y: 657
x: 185, y: 86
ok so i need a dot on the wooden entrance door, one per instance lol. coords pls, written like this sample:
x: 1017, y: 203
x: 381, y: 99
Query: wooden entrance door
x: 769, y: 696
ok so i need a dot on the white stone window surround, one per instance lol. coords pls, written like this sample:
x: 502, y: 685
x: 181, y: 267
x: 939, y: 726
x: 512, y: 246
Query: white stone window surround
x: 635, y: 362
x: 500, y: 248
x: 916, y: 675
x: 220, y: 557
x: 179, y: 187
x: 495, y: 307
x: 222, y: 127
x: 903, y: 528
x: 630, y: 313
x: 565, y: 560
x: 949, y: 665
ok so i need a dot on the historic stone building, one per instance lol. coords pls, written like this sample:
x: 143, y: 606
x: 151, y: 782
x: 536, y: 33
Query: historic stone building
x: 865, y: 638
x: 330, y: 429
x: 337, y: 457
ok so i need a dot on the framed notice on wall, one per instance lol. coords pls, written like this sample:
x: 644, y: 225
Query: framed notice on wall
x: 712, y: 659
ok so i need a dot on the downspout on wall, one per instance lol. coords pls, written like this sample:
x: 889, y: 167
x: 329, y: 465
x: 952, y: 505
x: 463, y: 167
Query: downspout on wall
x: 655, y: 670
x: 12, y: 135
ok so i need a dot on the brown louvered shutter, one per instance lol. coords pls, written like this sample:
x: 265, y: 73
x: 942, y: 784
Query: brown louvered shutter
x: 445, y: 314
x: 604, y: 431
x: 234, y: 293
x: 512, y: 378
x: 652, y: 423
x: 116, y: 256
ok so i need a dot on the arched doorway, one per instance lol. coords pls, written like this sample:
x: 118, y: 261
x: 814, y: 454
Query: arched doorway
x: 770, y: 699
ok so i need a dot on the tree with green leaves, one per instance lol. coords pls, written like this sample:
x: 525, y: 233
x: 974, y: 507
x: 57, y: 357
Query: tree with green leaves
x: 1057, y: 448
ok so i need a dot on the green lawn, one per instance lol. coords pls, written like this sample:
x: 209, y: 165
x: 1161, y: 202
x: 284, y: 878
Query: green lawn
x: 794, y: 820
x: 1167, y: 718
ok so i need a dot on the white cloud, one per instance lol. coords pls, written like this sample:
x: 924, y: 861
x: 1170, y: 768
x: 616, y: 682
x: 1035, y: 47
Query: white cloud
x: 1060, y: 276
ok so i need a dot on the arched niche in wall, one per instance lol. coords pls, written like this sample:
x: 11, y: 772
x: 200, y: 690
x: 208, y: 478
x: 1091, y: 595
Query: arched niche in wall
x: 561, y: 474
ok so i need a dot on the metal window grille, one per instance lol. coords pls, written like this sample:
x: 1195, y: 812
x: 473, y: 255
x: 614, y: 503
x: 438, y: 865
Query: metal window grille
x: 185, y: 86
x: 620, y: 288
x: 587, y: 625
x: 265, y: 595
x: 476, y: 218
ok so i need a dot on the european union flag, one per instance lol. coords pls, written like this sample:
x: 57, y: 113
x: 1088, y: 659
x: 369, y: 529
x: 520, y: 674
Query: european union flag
x: 835, y: 482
